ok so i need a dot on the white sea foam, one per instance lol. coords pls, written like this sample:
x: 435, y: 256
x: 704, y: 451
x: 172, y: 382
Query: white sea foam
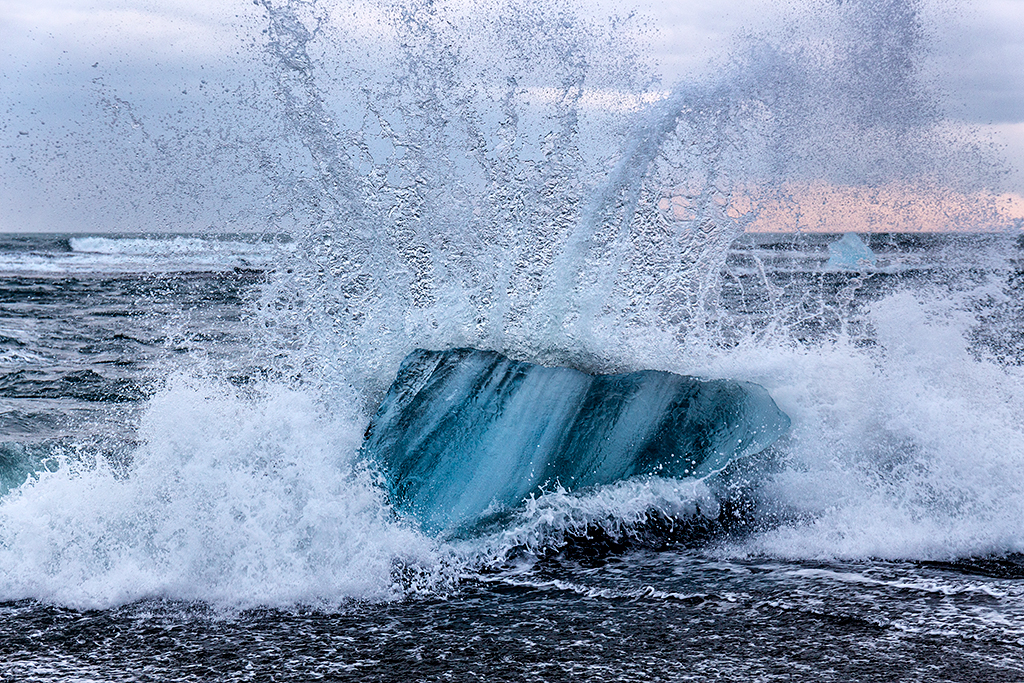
x: 447, y: 217
x: 908, y: 448
x: 146, y: 255
x: 177, y: 246
x: 911, y: 448
x: 231, y: 500
x: 618, y: 509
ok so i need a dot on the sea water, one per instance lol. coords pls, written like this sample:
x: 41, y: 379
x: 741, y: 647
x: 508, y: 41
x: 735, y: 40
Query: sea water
x: 214, y: 521
x: 183, y: 492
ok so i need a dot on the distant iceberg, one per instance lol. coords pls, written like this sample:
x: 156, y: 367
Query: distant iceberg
x: 850, y: 253
x: 464, y: 433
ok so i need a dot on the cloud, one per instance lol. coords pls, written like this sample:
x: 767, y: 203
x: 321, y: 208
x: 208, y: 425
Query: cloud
x: 149, y: 53
x: 183, y: 31
x: 823, y: 207
x: 975, y: 55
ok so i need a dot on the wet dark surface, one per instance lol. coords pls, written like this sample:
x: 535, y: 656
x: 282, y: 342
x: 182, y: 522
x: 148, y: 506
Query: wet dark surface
x: 650, y: 616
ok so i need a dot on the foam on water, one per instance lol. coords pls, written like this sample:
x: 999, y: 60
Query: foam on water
x: 180, y: 246
x: 110, y: 255
x: 907, y: 448
x: 463, y: 189
x: 546, y: 523
x: 231, y: 499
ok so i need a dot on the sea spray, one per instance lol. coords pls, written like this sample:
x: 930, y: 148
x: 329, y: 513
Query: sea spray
x: 477, y: 243
x: 469, y: 191
x: 906, y: 440
x: 233, y: 498
x: 514, y: 180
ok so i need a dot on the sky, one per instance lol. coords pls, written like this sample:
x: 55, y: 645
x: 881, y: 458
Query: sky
x: 86, y: 87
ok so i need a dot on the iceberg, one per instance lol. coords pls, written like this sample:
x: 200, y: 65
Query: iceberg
x: 464, y: 434
x: 850, y: 253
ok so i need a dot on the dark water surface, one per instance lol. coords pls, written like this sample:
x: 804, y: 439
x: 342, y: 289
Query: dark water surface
x: 697, y: 619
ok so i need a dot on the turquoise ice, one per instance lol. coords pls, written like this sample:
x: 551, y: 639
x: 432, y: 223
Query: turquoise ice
x: 850, y: 253
x: 465, y: 433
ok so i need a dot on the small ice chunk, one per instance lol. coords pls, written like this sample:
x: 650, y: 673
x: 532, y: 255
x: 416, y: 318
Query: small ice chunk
x: 850, y: 253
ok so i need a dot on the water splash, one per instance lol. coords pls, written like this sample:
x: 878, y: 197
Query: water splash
x: 478, y: 200
x: 237, y: 500
x: 535, y: 225
x: 512, y: 178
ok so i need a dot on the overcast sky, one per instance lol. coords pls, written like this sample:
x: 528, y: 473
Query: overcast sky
x: 60, y: 58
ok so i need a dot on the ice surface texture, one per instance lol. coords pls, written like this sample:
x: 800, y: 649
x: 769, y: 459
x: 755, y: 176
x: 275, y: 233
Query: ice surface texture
x: 465, y: 433
x: 850, y: 253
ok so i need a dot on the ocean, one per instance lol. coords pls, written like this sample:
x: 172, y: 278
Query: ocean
x: 186, y: 489
x: 175, y: 509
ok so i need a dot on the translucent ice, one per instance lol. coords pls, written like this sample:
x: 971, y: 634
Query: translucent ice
x: 850, y: 253
x: 465, y: 433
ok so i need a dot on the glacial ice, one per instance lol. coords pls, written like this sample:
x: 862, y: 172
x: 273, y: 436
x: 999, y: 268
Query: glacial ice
x: 463, y: 433
x: 850, y: 253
